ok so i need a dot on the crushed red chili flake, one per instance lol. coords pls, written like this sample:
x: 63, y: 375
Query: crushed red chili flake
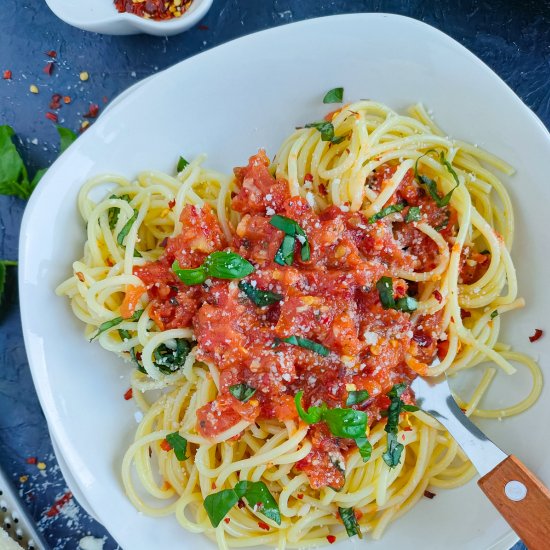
x: 48, y: 68
x: 227, y: 520
x: 6, y: 75
x: 51, y: 116
x: 129, y: 394
x: 93, y: 111
x: 55, y: 103
x: 536, y: 336
x: 154, y: 9
x: 429, y: 494
x: 203, y: 27
x: 464, y: 314
x: 407, y: 429
x: 323, y: 189
x: 58, y: 504
x: 437, y: 296
x: 308, y: 177
x: 263, y: 525
x: 165, y: 446
x: 300, y: 496
x: 105, y: 99
x: 32, y: 460
x: 241, y: 504
x: 331, y: 539
x: 51, y: 53
x: 171, y: 204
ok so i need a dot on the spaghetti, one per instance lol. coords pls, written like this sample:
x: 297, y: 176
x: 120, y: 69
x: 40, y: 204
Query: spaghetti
x: 283, y: 312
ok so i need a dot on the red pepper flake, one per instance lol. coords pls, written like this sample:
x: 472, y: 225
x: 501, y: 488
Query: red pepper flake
x: 308, y: 177
x: 429, y: 494
x: 241, y: 504
x: 300, y: 496
x: 165, y: 446
x: 105, y: 99
x: 407, y: 429
x: 6, y: 75
x: 66, y: 99
x: 129, y: 394
x: 55, y: 103
x: 93, y: 111
x: 203, y: 27
x: 51, y: 53
x: 56, y: 508
x: 213, y: 485
x: 138, y: 355
x: 226, y: 520
x: 51, y: 116
x: 263, y: 525
x: 171, y: 204
x: 323, y: 190
x: 32, y: 460
x: 150, y: 452
x: 437, y: 296
x: 536, y: 336
x: 331, y: 539
x: 48, y: 68
x: 464, y: 314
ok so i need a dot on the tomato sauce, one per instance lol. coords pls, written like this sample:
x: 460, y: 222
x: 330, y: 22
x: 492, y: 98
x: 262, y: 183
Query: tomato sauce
x: 154, y: 9
x: 331, y: 299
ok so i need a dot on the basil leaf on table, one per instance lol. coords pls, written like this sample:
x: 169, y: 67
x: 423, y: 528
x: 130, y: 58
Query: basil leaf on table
x: 67, y: 137
x: 14, y: 179
x: 3, y: 265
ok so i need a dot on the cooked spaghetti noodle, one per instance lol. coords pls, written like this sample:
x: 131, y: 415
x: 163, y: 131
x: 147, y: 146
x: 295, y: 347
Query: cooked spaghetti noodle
x: 399, y: 242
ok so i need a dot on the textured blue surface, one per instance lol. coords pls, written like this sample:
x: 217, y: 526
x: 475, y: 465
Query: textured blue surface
x: 511, y: 37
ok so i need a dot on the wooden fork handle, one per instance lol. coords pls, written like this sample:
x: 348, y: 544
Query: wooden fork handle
x: 522, y: 499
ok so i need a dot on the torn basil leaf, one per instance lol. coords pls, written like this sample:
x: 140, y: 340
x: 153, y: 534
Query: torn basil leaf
x: 182, y: 164
x: 336, y: 95
x: 357, y: 397
x: 327, y: 131
x: 114, y: 322
x: 350, y: 522
x: 259, y: 297
x: 413, y: 215
x: 242, y: 392
x: 178, y: 444
x: 126, y: 229
x: 169, y: 359
x: 391, y: 209
x: 304, y: 343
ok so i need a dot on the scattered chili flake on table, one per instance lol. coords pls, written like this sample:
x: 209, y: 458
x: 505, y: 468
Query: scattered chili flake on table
x: 51, y: 116
x: 129, y: 394
x: 6, y: 75
x: 429, y: 494
x: 32, y: 460
x: 93, y: 111
x: 331, y: 539
x: 536, y: 336
x: 154, y: 9
x: 48, y: 68
x: 58, y: 504
x: 203, y: 27
x: 51, y: 53
x: 55, y: 103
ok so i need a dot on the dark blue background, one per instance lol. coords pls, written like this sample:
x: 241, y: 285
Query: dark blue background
x: 512, y: 37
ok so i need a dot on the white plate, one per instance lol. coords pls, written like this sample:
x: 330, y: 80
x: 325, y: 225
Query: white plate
x: 102, y: 16
x: 238, y: 97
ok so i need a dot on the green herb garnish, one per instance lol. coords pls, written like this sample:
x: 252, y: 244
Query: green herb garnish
x: 169, y: 359
x: 304, y: 343
x: 494, y: 314
x: 336, y: 95
x: 182, y: 164
x: 125, y: 335
x: 67, y: 137
x: 178, y: 444
x: 391, y: 209
x: 112, y: 213
x: 392, y: 456
x: 242, y: 392
x: 350, y: 522
x: 327, y: 131
x: 357, y: 397
x: 114, y: 322
x: 431, y: 184
x: 3, y: 265
x: 413, y: 215
x: 256, y: 493
x: 126, y: 229
x: 220, y: 265
x: 261, y: 298
x: 385, y: 292
x: 293, y: 232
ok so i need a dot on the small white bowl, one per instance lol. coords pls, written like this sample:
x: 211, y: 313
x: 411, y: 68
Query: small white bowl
x: 102, y: 16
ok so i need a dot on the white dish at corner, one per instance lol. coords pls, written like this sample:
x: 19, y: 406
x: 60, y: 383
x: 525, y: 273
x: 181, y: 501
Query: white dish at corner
x: 101, y: 16
x: 389, y: 58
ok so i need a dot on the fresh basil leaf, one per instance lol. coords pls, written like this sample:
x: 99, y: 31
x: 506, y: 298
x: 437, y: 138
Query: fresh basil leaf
x: 66, y: 136
x: 407, y: 304
x: 336, y: 95
x: 350, y: 522
x: 261, y: 298
x: 3, y: 265
x: 385, y: 291
x: 410, y: 408
x: 112, y: 213
x: 256, y: 493
x: 114, y: 322
x: 413, y: 215
x: 494, y: 314
x: 327, y: 131
x: 356, y: 397
x: 168, y: 360
x: 217, y: 505
x: 194, y: 276
x: 431, y: 184
x: 391, y: 209
x: 365, y: 448
x: 14, y: 179
x: 313, y: 414
x: 306, y: 344
x: 285, y: 253
x: 125, y: 335
x: 126, y: 229
x: 227, y: 265
x: 178, y: 444
x: 392, y: 455
x: 182, y: 164
x: 39, y: 174
x: 347, y: 423
x: 258, y: 497
x: 242, y: 392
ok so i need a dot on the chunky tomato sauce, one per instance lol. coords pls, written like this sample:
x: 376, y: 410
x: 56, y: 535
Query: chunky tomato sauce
x: 154, y: 9
x: 331, y: 299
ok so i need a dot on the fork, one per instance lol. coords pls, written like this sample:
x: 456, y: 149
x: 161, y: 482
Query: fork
x: 519, y: 496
